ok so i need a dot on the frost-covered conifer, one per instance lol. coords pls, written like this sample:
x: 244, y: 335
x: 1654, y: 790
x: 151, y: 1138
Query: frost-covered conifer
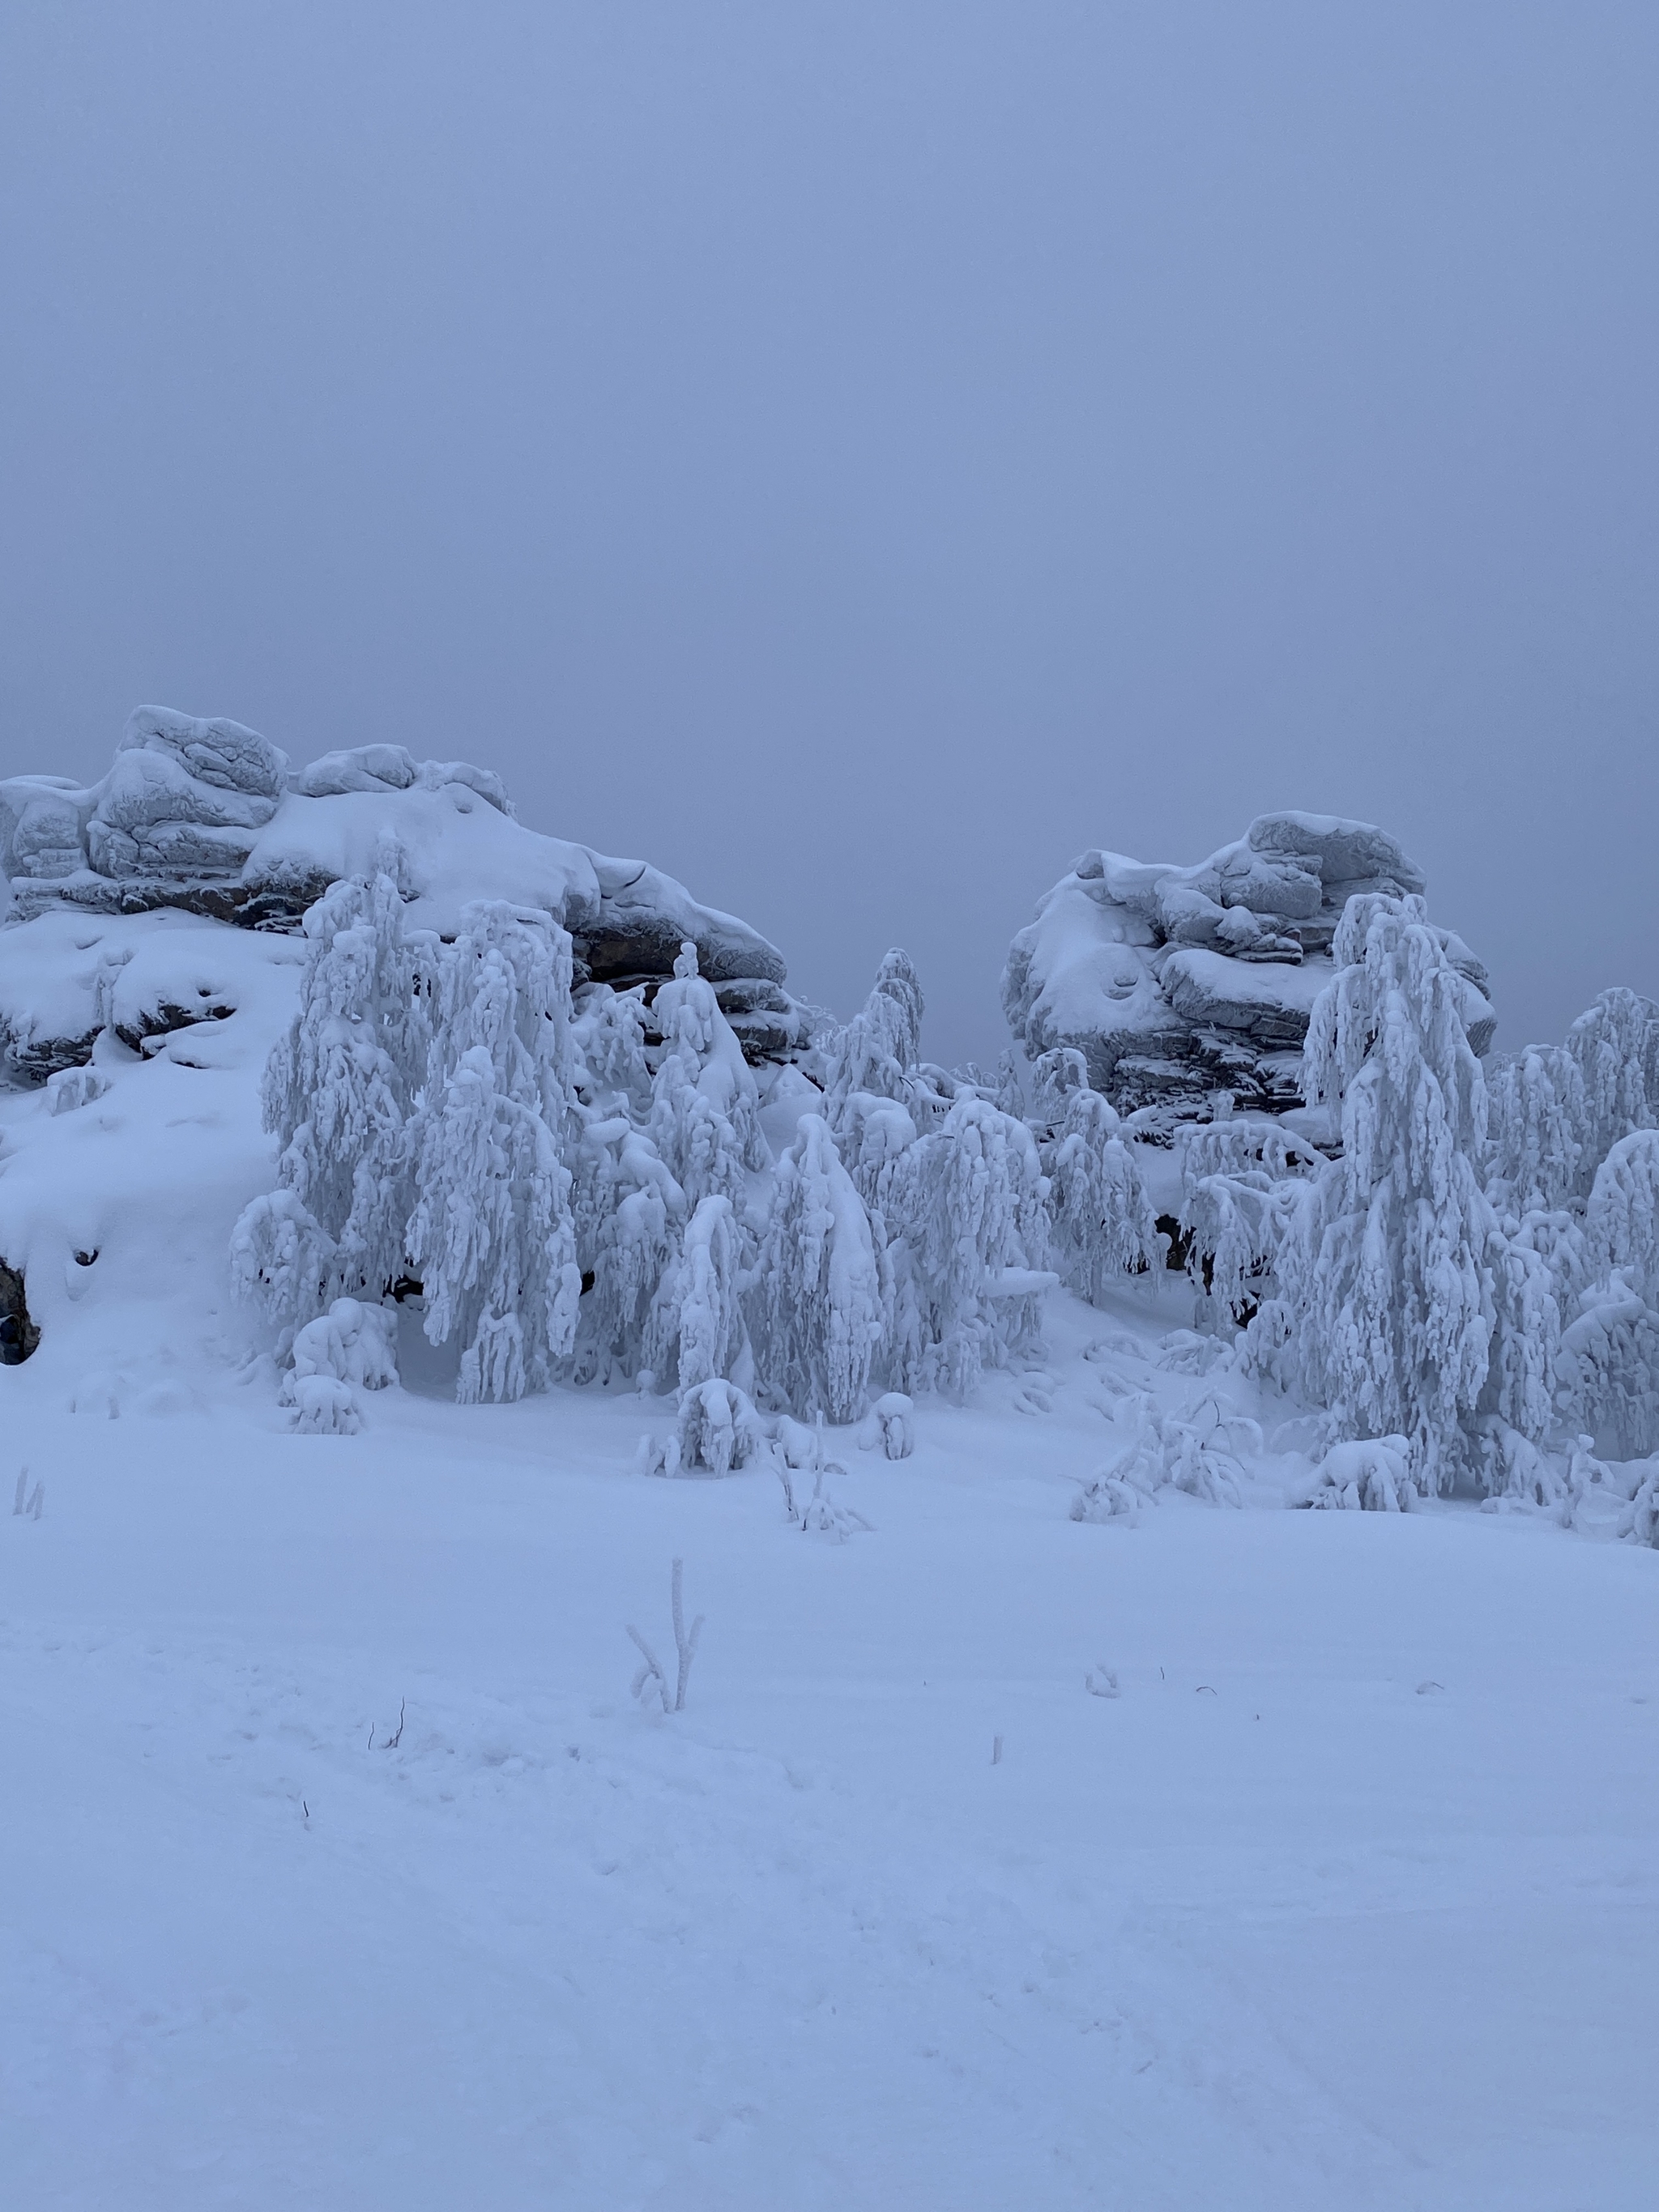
x: 970, y: 1211
x: 1616, y: 1046
x: 609, y: 1033
x: 1101, y: 1224
x: 633, y: 1215
x: 696, y: 1331
x: 492, y: 1235
x: 282, y: 1257
x: 1536, y: 1125
x: 1610, y: 1365
x: 339, y: 1089
x: 876, y: 1054
x: 1384, y: 1313
x: 694, y: 1140
x: 696, y: 1032
x: 1610, y: 1347
x: 1238, y: 1174
x: 815, y: 1305
x: 1621, y: 1221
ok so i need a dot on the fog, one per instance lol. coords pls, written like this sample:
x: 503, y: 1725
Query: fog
x: 857, y: 456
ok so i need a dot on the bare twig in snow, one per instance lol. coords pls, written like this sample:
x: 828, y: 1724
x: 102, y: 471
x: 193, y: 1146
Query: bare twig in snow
x: 685, y: 1648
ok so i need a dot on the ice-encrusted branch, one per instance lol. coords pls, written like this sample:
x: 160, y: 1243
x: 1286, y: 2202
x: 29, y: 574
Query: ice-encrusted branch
x: 685, y: 1647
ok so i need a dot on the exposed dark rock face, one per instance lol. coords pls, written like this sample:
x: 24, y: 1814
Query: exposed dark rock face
x: 1175, y: 983
x: 19, y: 1333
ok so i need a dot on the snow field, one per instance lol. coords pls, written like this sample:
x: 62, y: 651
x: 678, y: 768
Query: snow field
x: 1280, y: 1925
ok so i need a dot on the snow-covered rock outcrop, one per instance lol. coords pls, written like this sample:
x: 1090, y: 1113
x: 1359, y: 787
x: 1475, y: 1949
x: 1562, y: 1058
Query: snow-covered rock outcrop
x: 207, y: 817
x: 1177, y: 982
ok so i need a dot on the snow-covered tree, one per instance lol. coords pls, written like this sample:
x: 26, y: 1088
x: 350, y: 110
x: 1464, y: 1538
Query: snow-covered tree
x: 1384, y: 1310
x: 338, y: 1092
x: 1237, y: 1178
x: 1536, y: 1125
x: 695, y: 1329
x: 970, y: 1212
x: 1609, y: 1363
x: 1621, y: 1221
x: 876, y: 1054
x: 694, y: 1140
x: 694, y: 1031
x: 631, y: 1214
x: 609, y: 1033
x: 1100, y: 1221
x: 492, y: 1235
x: 1616, y: 1046
x: 282, y: 1258
x: 814, y: 1305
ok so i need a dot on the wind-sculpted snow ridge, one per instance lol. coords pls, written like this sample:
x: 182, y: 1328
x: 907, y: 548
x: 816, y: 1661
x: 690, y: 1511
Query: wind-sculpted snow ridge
x: 208, y: 817
x: 1176, y: 983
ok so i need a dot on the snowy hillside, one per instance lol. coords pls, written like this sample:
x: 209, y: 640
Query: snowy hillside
x: 417, y: 1233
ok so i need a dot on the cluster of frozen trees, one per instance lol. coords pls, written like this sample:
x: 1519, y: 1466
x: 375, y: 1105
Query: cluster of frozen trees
x: 573, y: 1183
x: 576, y: 1183
x: 1472, y: 1278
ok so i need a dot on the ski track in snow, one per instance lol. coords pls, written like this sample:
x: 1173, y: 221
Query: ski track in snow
x: 1279, y: 1925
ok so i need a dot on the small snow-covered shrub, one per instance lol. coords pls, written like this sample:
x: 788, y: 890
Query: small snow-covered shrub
x: 348, y: 1348
x: 1368, y: 1476
x: 891, y: 1426
x: 72, y: 1087
x: 1106, y: 1498
x: 1197, y: 1453
x: 824, y: 1515
x: 717, y: 1429
x: 1639, y: 1523
x: 322, y: 1406
x: 1184, y: 1351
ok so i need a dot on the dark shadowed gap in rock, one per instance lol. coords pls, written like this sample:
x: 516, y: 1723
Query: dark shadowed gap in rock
x: 19, y: 1334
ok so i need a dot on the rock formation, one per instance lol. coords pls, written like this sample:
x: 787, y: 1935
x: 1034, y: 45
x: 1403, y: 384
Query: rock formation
x: 207, y: 817
x: 1176, y: 983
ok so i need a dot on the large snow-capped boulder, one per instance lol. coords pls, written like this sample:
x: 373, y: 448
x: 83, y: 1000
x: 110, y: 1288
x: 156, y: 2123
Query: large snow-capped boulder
x: 1177, y: 982
x: 206, y: 816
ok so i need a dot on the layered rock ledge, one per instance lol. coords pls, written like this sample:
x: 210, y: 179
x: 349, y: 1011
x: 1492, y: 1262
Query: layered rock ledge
x: 208, y: 817
x: 1176, y: 983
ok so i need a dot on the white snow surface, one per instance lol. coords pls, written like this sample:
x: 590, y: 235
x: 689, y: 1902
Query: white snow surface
x: 1234, y: 1858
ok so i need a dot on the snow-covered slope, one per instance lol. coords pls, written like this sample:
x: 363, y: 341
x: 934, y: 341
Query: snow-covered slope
x: 342, y: 1871
x: 999, y: 1858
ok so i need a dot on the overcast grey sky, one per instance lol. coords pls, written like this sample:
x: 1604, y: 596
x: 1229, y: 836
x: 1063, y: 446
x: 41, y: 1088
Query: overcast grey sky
x: 857, y: 456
